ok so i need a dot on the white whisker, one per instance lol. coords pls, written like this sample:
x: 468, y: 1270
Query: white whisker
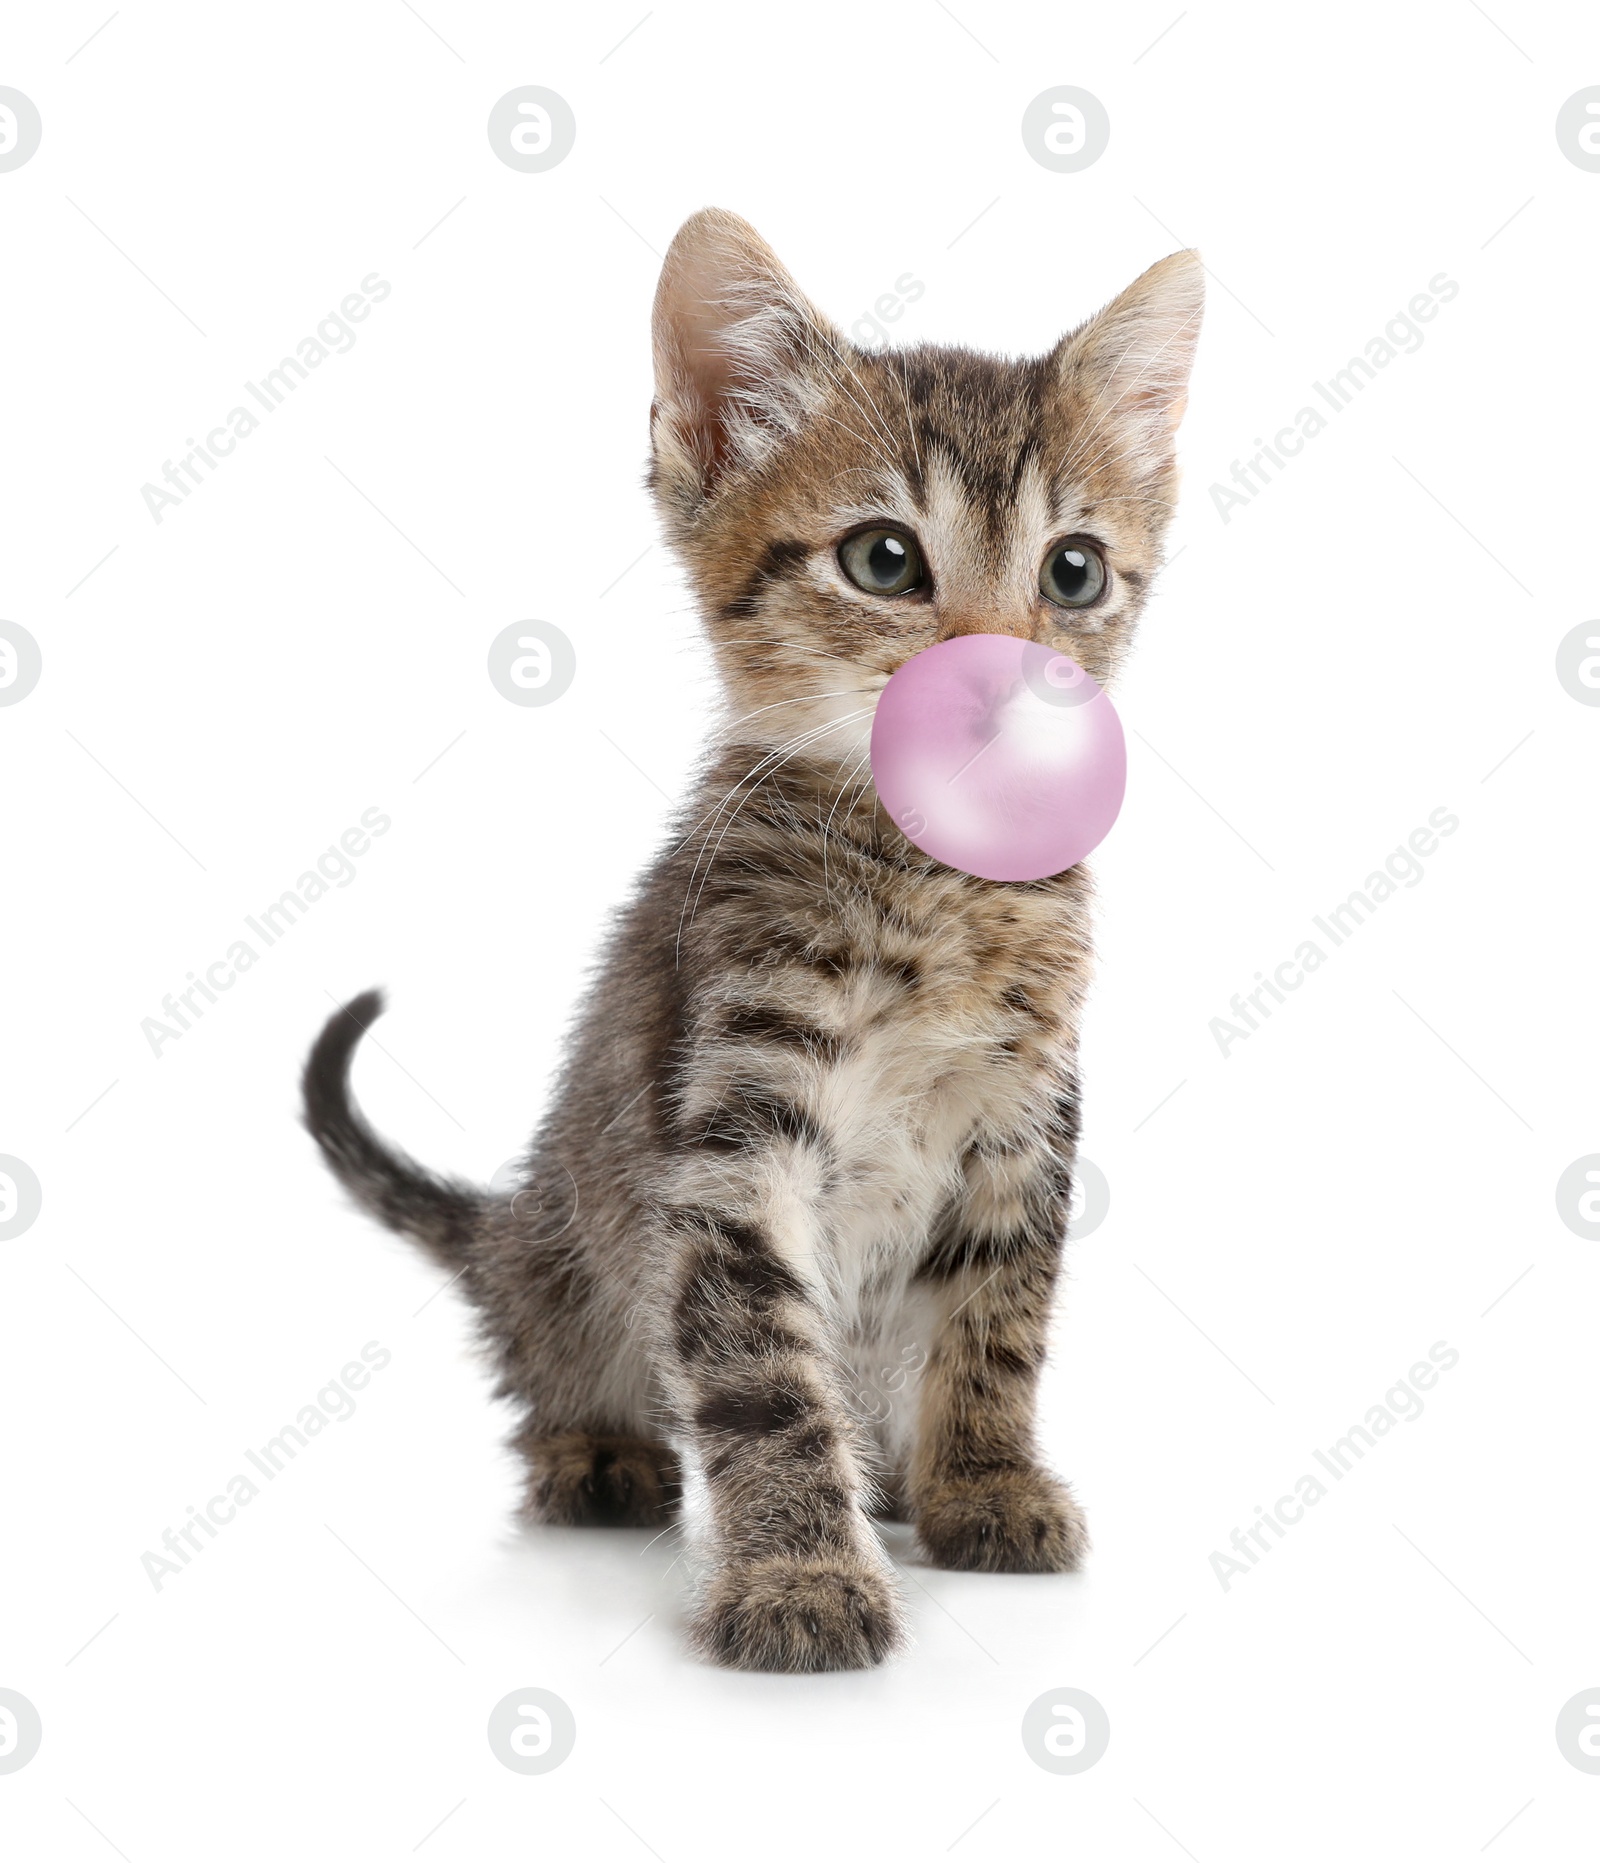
x: 755, y: 778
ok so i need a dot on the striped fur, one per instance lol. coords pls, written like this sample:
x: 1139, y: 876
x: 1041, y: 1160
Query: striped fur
x: 805, y: 1177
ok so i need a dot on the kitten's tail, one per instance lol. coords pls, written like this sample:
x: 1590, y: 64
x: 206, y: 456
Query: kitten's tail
x: 435, y: 1211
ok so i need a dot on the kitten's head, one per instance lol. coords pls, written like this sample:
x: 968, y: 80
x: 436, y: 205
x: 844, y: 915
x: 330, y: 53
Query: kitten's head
x: 839, y: 510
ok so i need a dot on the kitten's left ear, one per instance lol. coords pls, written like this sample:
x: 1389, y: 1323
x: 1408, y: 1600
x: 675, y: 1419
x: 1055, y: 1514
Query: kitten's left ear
x: 1125, y: 373
x: 741, y: 355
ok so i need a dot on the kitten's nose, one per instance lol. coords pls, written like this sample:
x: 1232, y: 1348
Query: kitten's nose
x: 987, y: 621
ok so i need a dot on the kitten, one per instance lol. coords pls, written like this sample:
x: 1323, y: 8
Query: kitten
x: 803, y: 1187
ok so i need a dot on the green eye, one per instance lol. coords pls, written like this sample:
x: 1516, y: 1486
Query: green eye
x: 883, y: 562
x: 1074, y: 574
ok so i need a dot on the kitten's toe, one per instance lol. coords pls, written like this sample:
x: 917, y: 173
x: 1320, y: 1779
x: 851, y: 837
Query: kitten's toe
x: 579, y: 1480
x: 798, y: 1614
x: 1002, y: 1520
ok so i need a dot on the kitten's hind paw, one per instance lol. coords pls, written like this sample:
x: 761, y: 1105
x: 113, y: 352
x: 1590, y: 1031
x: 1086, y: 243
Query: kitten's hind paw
x: 1002, y: 1520
x: 799, y: 1613
x: 579, y: 1480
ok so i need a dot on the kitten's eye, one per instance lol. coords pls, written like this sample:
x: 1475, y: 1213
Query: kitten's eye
x: 883, y: 562
x: 1074, y: 574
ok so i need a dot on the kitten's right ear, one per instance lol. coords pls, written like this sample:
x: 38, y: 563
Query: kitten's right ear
x: 741, y: 356
x: 1126, y: 371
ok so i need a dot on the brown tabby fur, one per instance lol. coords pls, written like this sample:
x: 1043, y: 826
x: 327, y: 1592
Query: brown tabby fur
x: 803, y: 1184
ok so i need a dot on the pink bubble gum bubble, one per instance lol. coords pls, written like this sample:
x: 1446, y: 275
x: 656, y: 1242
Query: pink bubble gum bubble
x: 999, y: 757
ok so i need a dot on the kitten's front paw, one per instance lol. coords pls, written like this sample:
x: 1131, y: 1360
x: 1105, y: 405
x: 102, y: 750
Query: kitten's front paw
x: 798, y: 1613
x: 1002, y: 1520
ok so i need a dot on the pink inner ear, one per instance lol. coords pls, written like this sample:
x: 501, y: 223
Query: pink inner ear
x: 704, y: 367
x: 1139, y: 349
x: 726, y: 321
x: 705, y: 289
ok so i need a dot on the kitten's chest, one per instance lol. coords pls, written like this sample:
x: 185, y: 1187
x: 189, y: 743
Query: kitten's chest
x: 956, y: 1030
x: 971, y: 1001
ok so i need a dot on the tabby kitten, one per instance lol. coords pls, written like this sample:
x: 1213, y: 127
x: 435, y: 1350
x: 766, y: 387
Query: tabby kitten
x: 817, y: 1120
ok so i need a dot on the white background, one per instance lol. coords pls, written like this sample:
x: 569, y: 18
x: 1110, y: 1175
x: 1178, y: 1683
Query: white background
x: 1289, y: 1232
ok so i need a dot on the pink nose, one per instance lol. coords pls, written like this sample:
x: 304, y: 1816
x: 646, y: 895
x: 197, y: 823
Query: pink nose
x: 999, y: 757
